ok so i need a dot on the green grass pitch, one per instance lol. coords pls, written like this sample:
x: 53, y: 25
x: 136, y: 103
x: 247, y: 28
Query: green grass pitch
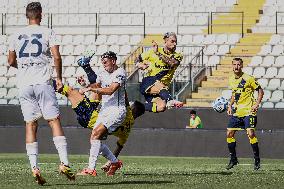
x: 146, y: 172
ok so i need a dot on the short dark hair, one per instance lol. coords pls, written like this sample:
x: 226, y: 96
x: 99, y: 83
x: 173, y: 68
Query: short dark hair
x: 238, y: 59
x: 109, y: 54
x: 33, y: 10
x: 168, y: 34
x: 193, y: 112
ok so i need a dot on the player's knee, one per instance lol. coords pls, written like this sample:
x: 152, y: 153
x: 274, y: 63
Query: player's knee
x: 98, y: 133
x: 230, y: 134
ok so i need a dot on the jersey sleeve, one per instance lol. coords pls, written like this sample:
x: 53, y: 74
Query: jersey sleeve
x: 120, y: 77
x: 178, y: 57
x: 254, y: 84
x: 52, y: 39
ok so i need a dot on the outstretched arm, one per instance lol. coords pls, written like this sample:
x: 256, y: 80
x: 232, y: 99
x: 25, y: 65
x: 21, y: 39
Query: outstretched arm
x: 12, y: 59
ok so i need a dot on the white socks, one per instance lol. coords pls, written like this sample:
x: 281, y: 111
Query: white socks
x: 61, y: 146
x: 32, y: 152
x: 94, y: 153
x: 107, y: 153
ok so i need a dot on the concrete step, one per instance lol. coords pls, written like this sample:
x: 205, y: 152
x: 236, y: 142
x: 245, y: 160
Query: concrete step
x: 211, y: 90
x: 217, y: 78
x: 214, y: 84
x: 205, y: 95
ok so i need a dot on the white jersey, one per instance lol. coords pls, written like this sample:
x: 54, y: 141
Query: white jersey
x: 106, y: 79
x: 32, y: 46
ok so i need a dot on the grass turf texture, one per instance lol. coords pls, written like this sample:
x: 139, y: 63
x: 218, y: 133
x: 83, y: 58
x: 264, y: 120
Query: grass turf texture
x: 146, y: 172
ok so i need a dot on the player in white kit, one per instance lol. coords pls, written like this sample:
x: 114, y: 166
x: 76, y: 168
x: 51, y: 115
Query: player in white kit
x: 29, y: 52
x: 111, y: 80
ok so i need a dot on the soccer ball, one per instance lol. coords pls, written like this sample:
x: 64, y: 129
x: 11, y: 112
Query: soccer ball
x: 220, y: 104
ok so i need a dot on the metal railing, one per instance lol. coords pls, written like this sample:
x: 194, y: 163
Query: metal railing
x: 94, y: 23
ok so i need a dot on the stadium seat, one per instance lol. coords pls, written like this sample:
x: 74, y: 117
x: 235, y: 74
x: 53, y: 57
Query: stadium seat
x: 68, y: 50
x: 3, y: 39
x: 101, y: 40
x: 263, y: 82
x: 265, y: 50
x: 276, y: 96
x: 267, y: 95
x: 268, y: 61
x: 186, y: 40
x: 279, y: 105
x: 279, y: 62
x: 12, y: 81
x: 79, y: 72
x: 259, y: 72
x: 3, y: 101
x: 12, y: 72
x: 233, y: 39
x: 256, y: 61
x: 78, y: 40
x: 123, y: 40
x: 67, y: 40
x: 213, y: 61
x: 3, y: 70
x: 135, y: 39
x: 69, y: 61
x: 3, y: 60
x: 101, y: 49
x: 271, y: 72
x: 14, y: 102
x: 114, y: 48
x: 280, y: 73
x: 112, y: 40
x: 124, y: 50
x: 3, y: 81
x: 267, y: 105
x: 248, y: 70
x: 277, y: 50
x: 226, y: 94
x: 275, y: 39
x: 209, y: 39
x: 90, y: 39
x: 69, y: 72
x: 198, y: 39
x: 79, y: 50
x: 211, y: 50
x: 71, y: 81
x: 221, y: 39
x: 3, y: 92
x: 223, y: 49
x: 273, y: 84
x: 3, y: 49
x: 12, y: 93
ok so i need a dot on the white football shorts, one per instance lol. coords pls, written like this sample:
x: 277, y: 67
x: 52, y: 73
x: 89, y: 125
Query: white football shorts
x: 37, y: 101
x: 111, y: 117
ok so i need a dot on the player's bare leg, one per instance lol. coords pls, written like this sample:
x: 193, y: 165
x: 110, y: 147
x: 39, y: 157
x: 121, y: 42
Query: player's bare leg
x: 232, y: 149
x: 254, y: 144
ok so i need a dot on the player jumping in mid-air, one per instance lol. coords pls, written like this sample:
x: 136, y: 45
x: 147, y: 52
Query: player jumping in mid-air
x: 29, y: 51
x: 242, y: 110
x: 160, y: 65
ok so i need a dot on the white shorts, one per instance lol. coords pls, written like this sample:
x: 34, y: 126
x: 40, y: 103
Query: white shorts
x: 111, y: 117
x: 37, y: 101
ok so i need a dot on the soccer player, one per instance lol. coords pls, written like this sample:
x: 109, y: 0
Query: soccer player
x: 160, y: 65
x: 87, y: 112
x: 111, y: 81
x: 242, y: 110
x: 29, y: 51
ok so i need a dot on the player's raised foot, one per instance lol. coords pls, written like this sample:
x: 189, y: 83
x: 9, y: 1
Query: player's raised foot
x: 232, y: 163
x: 174, y: 104
x: 114, y: 167
x: 256, y: 164
x: 106, y: 166
x: 67, y: 171
x: 87, y: 171
x: 38, y: 178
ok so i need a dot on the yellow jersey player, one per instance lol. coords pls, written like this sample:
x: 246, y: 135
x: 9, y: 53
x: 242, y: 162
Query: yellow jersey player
x: 242, y: 110
x: 160, y: 65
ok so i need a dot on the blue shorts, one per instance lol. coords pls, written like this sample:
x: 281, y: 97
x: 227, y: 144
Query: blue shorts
x: 240, y: 123
x: 84, y: 111
x: 149, y: 81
